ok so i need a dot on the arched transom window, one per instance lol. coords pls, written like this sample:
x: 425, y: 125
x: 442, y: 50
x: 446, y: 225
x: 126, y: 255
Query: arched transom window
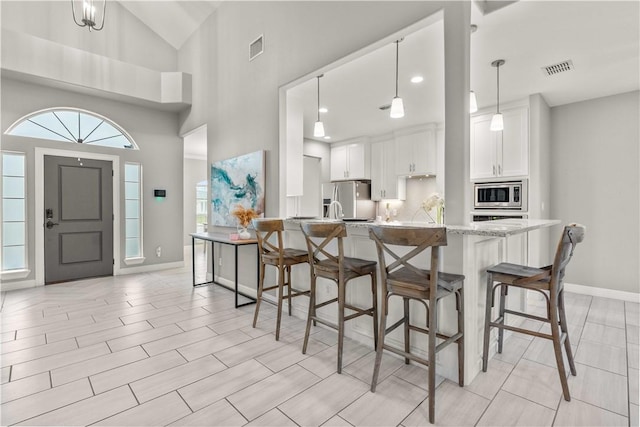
x: 72, y: 125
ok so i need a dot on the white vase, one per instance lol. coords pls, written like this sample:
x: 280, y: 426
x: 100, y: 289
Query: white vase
x: 244, y: 234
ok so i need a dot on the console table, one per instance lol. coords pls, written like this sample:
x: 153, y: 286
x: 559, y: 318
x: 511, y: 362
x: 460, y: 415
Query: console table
x: 223, y: 239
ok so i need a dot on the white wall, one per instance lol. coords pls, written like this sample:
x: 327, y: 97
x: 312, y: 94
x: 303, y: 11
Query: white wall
x: 155, y: 133
x: 194, y: 171
x: 323, y: 151
x: 595, y: 181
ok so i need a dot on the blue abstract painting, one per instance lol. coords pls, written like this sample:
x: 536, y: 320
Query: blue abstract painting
x: 237, y: 181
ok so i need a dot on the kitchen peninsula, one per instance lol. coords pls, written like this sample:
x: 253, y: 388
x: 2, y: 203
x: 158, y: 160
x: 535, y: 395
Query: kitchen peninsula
x: 470, y: 250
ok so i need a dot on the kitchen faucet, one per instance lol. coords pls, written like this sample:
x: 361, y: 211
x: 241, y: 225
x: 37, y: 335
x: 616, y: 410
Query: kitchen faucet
x: 335, y: 210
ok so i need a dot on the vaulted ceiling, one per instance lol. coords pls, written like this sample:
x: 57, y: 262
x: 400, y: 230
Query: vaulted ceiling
x: 173, y: 20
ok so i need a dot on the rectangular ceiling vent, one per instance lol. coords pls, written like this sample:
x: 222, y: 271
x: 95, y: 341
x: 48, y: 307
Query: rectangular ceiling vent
x: 561, y: 67
x: 256, y: 47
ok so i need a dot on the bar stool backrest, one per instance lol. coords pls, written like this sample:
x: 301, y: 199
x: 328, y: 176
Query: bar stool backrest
x: 318, y: 235
x: 420, y: 239
x: 269, y: 234
x: 571, y: 236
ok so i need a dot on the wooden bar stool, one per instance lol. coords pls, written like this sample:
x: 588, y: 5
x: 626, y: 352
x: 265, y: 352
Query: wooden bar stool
x: 339, y: 269
x: 402, y: 278
x: 275, y: 254
x: 549, y: 282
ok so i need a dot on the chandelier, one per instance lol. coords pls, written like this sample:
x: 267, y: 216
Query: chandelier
x: 89, y: 14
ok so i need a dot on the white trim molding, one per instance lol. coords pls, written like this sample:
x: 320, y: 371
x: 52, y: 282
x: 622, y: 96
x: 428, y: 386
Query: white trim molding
x: 602, y: 292
x: 15, y: 274
x: 147, y: 268
x: 14, y: 286
x: 134, y: 261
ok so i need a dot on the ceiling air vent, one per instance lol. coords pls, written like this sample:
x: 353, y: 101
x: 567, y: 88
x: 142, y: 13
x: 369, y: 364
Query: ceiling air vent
x: 256, y: 47
x: 561, y: 67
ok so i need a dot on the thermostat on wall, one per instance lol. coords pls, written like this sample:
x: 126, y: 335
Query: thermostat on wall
x: 159, y: 193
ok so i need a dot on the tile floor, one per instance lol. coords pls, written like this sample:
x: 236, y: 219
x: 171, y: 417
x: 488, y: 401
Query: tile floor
x: 148, y: 349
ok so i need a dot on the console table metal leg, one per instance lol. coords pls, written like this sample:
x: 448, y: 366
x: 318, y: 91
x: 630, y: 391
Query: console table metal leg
x: 213, y: 262
x: 236, y: 276
x: 193, y: 260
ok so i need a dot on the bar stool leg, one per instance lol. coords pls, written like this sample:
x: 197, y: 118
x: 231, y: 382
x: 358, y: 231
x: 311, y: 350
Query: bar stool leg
x: 312, y: 312
x: 341, y: 298
x: 487, y: 321
x: 289, y: 287
x: 374, y: 293
x: 259, y: 298
x: 557, y: 348
x: 460, y: 303
x: 432, y: 361
x: 380, y: 346
x: 503, y: 293
x: 563, y: 326
x: 281, y: 274
x: 407, y: 335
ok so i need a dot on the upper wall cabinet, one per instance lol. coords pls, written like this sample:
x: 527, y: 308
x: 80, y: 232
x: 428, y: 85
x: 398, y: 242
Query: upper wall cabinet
x: 350, y: 161
x: 503, y: 154
x: 416, y: 152
x: 385, y: 184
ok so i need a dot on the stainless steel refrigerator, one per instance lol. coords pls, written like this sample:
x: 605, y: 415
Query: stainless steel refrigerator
x: 353, y: 196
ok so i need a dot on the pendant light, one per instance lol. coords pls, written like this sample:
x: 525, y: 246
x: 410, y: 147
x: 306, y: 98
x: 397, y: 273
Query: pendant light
x: 397, y: 107
x: 473, y: 102
x: 89, y: 17
x: 497, y: 123
x: 318, y: 128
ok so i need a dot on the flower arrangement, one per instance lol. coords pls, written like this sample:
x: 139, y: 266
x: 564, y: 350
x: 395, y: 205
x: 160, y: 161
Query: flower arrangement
x: 434, y: 201
x: 244, y: 215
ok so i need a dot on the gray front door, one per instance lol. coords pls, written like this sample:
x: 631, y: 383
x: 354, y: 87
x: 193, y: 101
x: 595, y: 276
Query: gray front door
x: 78, y: 228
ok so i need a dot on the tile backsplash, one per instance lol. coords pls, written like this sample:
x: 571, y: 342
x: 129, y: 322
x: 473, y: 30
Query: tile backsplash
x: 418, y: 189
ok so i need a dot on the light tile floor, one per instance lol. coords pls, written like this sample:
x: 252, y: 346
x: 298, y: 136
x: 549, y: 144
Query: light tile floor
x: 148, y: 349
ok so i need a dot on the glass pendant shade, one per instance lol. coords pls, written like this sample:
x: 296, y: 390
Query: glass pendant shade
x: 473, y: 102
x: 318, y: 129
x: 496, y: 122
x: 397, y: 108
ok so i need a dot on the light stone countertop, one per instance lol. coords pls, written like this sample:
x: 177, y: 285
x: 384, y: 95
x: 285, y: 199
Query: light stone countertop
x: 497, y: 228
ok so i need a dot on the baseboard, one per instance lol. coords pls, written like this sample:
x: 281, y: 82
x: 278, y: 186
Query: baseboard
x: 14, y: 286
x: 602, y: 292
x: 148, y: 268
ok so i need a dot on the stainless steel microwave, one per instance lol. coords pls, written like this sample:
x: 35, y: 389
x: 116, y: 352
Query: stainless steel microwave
x: 500, y: 195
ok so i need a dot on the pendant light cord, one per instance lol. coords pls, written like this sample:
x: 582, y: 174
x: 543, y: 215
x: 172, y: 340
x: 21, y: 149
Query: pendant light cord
x: 397, y: 53
x: 319, y: 98
x: 498, y: 86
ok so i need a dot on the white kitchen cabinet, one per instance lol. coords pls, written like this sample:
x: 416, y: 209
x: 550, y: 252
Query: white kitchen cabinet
x: 416, y: 152
x: 385, y: 184
x: 350, y: 161
x: 502, y: 154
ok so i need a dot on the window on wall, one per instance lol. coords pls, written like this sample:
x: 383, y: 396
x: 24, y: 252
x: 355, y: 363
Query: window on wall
x: 201, y: 206
x: 72, y: 125
x: 14, y: 242
x: 133, y: 210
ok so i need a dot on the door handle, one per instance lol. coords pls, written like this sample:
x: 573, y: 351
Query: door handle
x: 50, y: 224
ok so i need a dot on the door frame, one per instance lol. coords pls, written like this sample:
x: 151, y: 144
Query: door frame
x: 38, y: 227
